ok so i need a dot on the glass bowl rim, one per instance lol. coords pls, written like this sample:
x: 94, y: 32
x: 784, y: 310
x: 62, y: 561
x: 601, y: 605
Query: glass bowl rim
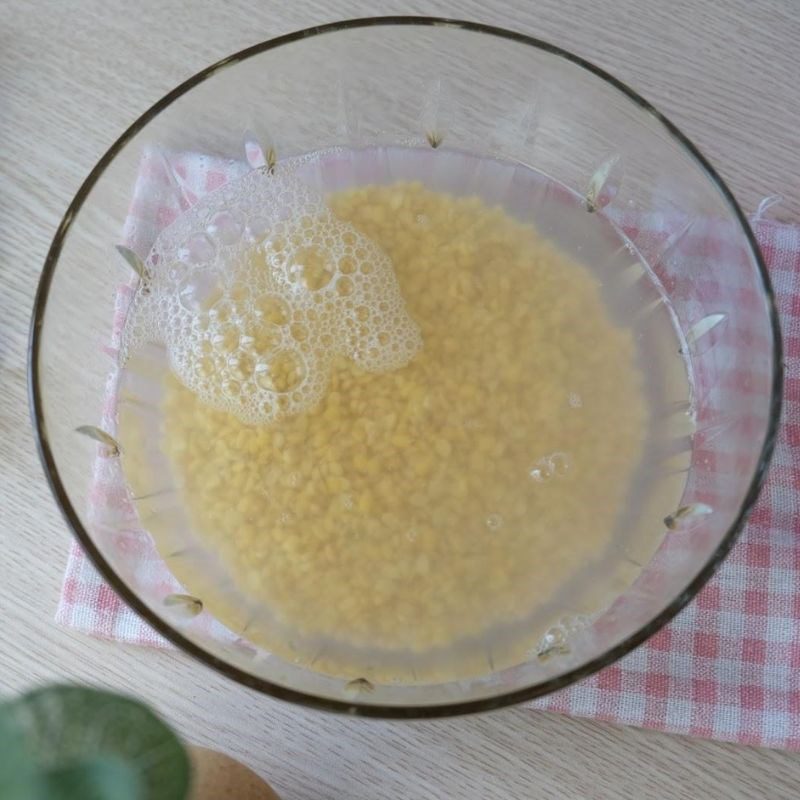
x: 354, y: 706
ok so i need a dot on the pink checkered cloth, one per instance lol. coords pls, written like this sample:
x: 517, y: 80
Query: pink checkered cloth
x: 728, y: 667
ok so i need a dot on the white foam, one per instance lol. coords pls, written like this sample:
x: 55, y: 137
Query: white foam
x: 258, y: 288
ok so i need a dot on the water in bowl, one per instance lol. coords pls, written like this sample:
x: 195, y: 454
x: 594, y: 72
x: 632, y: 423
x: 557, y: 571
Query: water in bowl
x: 393, y: 412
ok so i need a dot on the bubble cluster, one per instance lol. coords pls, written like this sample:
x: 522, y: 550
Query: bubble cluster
x: 555, y: 465
x: 494, y: 521
x: 258, y: 289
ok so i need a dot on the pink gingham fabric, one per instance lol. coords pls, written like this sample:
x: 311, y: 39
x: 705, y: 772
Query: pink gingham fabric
x: 728, y: 667
x: 162, y: 191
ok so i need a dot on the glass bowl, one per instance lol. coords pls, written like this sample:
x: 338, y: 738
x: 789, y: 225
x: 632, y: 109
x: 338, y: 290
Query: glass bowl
x: 445, y: 86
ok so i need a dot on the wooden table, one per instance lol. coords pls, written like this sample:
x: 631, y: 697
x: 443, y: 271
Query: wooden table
x: 72, y: 76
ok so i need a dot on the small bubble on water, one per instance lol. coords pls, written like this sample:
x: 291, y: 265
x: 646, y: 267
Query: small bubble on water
x: 556, y: 465
x: 574, y: 400
x: 294, y: 479
x: 225, y: 227
x: 553, y: 643
x: 494, y: 522
x: 257, y: 228
x: 231, y: 388
x: 198, y: 249
x: 540, y: 471
x: 199, y: 291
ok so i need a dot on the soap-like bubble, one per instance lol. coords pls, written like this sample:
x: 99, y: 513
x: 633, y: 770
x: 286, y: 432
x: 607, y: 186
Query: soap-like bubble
x: 271, y: 287
x: 555, y: 465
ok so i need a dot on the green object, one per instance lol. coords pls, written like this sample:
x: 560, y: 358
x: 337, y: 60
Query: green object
x: 72, y: 743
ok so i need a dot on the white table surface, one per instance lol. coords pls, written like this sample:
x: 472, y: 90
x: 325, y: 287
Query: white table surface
x: 73, y: 75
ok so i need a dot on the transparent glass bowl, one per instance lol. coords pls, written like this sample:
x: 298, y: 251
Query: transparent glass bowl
x: 456, y: 85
